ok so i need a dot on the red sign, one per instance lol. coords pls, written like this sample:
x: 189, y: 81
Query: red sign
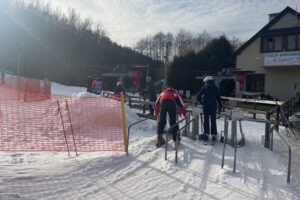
x: 136, y: 74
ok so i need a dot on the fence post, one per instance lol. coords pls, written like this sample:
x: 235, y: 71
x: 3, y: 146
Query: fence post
x: 186, y: 130
x: 124, y: 122
x: 233, y: 132
x: 64, y: 130
x: 267, y: 131
x: 277, y: 118
x: 254, y: 114
x: 129, y: 102
x: 67, y: 106
x: 195, y: 127
x: 144, y: 106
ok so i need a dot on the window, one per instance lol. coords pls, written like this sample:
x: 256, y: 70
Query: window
x: 291, y: 42
x: 255, y: 83
x: 270, y: 44
x: 278, y: 43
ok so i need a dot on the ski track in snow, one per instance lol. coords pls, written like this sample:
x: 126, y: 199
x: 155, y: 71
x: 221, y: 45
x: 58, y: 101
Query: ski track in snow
x: 146, y: 175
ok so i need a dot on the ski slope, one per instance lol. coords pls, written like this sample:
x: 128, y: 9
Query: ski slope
x: 260, y: 173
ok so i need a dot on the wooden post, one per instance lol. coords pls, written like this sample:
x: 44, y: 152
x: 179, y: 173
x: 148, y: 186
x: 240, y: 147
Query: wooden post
x: 277, y: 118
x: 233, y: 133
x: 144, y: 106
x: 254, y: 114
x: 267, y: 131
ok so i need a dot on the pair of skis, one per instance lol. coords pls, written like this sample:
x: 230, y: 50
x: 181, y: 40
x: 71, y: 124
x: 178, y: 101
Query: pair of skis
x: 157, y: 147
x: 209, y: 142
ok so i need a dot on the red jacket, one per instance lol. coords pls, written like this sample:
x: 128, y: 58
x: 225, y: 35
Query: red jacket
x: 170, y: 94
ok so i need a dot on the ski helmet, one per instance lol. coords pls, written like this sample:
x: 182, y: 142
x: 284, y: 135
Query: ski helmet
x: 208, y: 78
x: 148, y: 78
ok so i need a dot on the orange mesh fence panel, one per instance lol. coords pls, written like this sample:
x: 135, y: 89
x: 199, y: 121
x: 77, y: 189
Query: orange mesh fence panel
x: 87, y: 123
x: 26, y: 89
x: 42, y: 87
x: 12, y: 89
x: 96, y: 123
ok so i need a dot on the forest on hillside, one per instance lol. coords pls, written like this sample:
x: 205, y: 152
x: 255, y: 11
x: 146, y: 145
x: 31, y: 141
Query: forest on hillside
x: 39, y: 42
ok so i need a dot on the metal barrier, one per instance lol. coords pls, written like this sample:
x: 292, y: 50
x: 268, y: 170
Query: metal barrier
x: 235, y: 116
x: 188, y: 122
x: 178, y: 133
x: 289, y: 147
x: 129, y: 127
x: 270, y: 144
x: 167, y: 136
x: 290, y: 158
x: 224, y: 145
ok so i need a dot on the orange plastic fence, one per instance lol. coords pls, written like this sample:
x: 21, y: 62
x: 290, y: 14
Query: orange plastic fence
x: 25, y: 89
x: 76, y: 123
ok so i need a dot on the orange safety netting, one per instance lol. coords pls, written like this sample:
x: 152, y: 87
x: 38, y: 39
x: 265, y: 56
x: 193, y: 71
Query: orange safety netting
x: 59, y: 123
x: 25, y: 89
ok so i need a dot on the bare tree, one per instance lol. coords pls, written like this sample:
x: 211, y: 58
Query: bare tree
x: 169, y: 46
x: 201, y: 40
x: 184, y: 42
x: 236, y: 42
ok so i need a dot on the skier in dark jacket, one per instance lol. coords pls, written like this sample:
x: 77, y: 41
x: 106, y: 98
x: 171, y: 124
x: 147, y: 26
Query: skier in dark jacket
x: 89, y: 83
x: 150, y: 92
x: 169, y: 102
x: 119, y: 89
x: 2, y: 76
x: 209, y: 97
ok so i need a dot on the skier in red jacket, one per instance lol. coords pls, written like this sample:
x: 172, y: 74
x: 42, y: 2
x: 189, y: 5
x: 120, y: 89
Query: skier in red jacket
x: 169, y: 102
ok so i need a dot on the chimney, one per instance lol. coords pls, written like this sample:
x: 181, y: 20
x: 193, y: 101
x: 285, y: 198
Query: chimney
x: 272, y: 16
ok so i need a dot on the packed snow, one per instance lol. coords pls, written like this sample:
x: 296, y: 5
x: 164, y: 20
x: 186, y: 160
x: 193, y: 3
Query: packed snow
x: 260, y: 173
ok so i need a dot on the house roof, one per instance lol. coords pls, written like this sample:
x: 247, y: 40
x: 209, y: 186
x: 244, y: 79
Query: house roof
x: 267, y: 26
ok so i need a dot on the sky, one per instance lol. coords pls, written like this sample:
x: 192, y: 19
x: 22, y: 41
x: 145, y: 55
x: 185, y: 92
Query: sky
x: 127, y: 21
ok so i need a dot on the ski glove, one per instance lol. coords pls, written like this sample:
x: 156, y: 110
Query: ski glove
x: 183, y: 111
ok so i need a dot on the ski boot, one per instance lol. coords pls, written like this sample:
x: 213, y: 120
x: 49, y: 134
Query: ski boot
x: 213, y: 137
x: 160, y: 140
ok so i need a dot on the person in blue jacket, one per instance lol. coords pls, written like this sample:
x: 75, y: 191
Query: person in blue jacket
x: 209, y: 97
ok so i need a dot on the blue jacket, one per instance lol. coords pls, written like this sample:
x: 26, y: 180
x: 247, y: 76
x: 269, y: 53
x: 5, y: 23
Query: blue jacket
x: 209, y: 96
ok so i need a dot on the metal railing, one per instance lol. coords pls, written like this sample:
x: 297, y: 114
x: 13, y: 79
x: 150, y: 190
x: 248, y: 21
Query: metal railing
x: 128, y: 131
x: 234, y: 142
x: 188, y: 122
x: 270, y: 143
x: 168, y: 132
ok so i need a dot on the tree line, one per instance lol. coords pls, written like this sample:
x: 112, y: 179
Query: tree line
x: 187, y: 56
x: 165, y: 47
x: 39, y: 42
x: 213, y: 59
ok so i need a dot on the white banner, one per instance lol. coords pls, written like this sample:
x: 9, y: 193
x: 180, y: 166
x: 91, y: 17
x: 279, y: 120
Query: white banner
x: 282, y: 58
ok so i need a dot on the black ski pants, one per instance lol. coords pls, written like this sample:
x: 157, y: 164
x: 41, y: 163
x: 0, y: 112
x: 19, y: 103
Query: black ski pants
x: 151, y: 109
x: 210, y: 114
x: 167, y: 107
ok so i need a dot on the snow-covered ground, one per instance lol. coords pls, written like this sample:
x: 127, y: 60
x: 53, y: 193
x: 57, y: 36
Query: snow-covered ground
x: 260, y: 173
